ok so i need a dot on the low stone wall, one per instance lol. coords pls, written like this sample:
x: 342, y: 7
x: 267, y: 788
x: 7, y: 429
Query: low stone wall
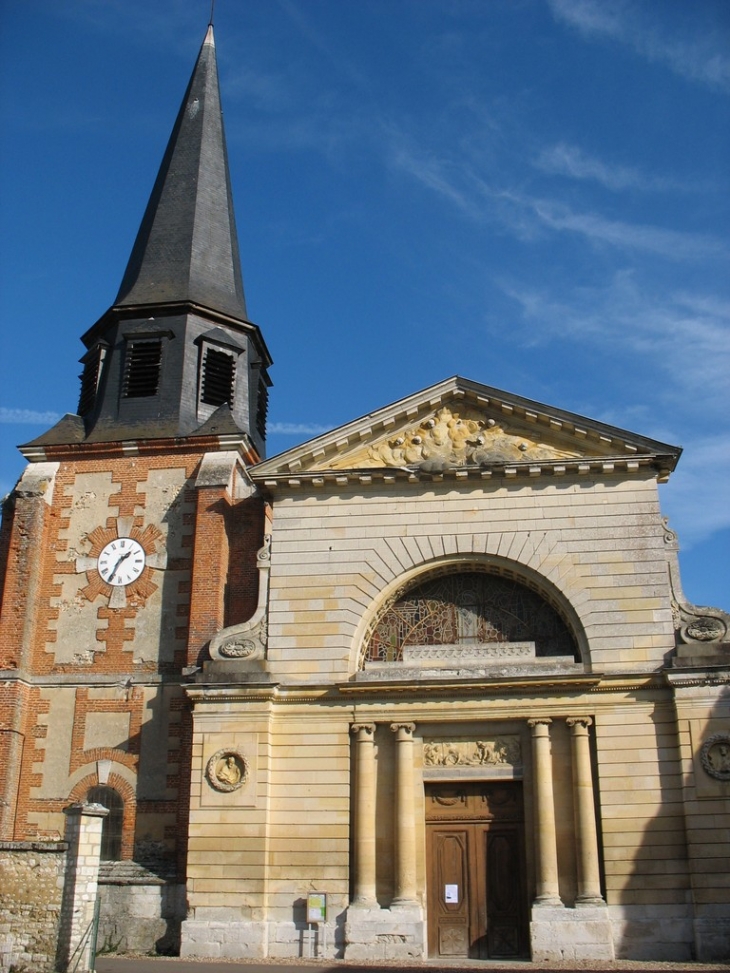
x: 140, y: 912
x: 31, y: 886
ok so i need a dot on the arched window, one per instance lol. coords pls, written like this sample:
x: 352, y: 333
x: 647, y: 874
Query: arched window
x: 470, y: 608
x: 111, y: 831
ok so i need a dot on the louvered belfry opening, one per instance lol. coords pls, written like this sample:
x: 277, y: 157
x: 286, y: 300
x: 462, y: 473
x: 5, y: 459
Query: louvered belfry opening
x: 142, y: 368
x: 92, y: 363
x: 263, y: 408
x: 219, y: 372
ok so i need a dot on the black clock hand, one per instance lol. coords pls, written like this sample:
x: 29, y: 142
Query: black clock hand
x: 116, y: 566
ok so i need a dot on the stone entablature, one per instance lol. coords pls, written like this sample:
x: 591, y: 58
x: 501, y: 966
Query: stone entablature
x: 469, y: 654
x: 556, y: 666
x: 465, y: 661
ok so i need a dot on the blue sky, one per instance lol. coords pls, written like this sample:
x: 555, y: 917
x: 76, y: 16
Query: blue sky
x: 529, y: 193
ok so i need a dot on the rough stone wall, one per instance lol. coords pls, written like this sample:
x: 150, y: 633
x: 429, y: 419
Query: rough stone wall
x: 31, y: 884
x: 141, y: 918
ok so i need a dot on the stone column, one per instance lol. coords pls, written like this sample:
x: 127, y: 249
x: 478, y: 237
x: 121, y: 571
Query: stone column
x: 405, y: 832
x: 545, y: 840
x: 83, y: 834
x: 364, y: 891
x: 589, y: 877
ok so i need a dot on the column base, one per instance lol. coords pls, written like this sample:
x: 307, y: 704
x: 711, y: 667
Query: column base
x: 590, y: 901
x: 385, y: 934
x: 558, y: 934
x: 548, y: 902
x: 366, y: 905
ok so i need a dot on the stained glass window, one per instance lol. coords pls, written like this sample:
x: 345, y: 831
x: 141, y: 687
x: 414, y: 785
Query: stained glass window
x: 469, y: 608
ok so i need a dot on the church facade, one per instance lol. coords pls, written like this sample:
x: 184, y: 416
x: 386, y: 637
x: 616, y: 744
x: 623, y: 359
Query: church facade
x: 426, y: 685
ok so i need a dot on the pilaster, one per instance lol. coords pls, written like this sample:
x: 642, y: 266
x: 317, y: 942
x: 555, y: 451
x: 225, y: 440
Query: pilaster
x: 83, y: 833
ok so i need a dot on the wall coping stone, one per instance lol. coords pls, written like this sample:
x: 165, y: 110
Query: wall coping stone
x: 51, y: 846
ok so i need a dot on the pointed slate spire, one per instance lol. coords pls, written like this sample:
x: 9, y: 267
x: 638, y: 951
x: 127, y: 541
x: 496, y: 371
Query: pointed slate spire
x: 187, y: 248
x: 176, y: 355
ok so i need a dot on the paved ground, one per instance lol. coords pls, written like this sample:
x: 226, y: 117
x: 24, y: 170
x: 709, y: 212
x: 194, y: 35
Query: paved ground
x: 161, y: 964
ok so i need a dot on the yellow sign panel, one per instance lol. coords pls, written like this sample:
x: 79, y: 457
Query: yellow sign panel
x: 317, y: 907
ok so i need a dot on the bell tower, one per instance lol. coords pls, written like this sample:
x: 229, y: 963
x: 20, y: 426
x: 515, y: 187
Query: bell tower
x: 176, y: 351
x: 131, y: 537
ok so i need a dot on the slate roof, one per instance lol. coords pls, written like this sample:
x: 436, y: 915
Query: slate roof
x: 187, y: 246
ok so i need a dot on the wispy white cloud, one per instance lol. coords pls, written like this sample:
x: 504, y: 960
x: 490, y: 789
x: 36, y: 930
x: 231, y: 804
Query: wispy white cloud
x: 674, y: 244
x: 674, y: 350
x: 697, y: 503
x: 30, y: 417
x: 325, y: 47
x: 460, y: 184
x: 681, y: 335
x: 570, y: 160
x: 433, y: 172
x: 27, y: 417
x: 700, y: 58
x: 296, y: 429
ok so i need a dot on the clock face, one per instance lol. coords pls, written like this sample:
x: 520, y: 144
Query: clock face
x: 121, y: 561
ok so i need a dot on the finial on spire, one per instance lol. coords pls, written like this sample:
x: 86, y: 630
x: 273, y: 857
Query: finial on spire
x: 212, y: 11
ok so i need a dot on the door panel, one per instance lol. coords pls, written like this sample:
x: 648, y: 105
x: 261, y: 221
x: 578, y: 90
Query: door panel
x: 475, y: 871
x: 504, y: 894
x: 451, y: 880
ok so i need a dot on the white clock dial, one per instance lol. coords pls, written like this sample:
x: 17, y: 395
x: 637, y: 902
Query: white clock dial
x: 121, y: 561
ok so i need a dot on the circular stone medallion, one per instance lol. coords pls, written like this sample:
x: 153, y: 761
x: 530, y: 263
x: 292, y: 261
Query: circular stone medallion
x: 715, y: 756
x: 226, y: 770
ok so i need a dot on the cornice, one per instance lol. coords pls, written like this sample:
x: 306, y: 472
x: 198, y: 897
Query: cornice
x: 532, y: 685
x: 687, y: 678
x: 127, y: 312
x: 171, y: 446
x: 336, y: 479
x: 84, y: 680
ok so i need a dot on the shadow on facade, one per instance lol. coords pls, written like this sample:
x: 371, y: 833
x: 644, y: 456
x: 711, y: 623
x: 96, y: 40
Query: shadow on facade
x: 666, y: 909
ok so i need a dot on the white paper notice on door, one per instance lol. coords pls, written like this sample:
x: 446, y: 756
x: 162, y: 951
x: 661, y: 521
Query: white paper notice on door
x: 451, y: 893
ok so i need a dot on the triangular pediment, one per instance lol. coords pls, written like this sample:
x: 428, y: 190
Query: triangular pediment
x: 459, y: 426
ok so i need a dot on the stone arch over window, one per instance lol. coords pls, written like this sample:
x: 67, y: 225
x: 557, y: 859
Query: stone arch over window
x: 84, y: 783
x: 472, y: 603
x: 113, y: 824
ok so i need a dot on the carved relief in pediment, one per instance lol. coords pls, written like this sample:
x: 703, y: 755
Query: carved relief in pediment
x: 452, y: 439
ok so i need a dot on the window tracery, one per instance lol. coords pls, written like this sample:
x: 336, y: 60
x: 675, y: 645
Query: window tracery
x: 469, y: 608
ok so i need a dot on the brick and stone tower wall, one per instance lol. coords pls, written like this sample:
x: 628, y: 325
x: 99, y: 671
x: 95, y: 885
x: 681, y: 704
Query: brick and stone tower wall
x: 92, y: 693
x: 131, y: 537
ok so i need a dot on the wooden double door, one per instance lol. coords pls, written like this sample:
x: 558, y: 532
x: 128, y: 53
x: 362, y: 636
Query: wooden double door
x: 476, y: 870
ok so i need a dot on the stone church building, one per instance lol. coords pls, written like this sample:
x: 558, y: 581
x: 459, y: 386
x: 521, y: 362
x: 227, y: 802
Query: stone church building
x: 426, y: 685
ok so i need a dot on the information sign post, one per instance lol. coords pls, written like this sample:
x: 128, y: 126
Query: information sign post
x: 316, y: 915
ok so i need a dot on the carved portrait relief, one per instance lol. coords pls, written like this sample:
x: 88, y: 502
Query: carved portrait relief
x: 227, y: 770
x: 715, y: 756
